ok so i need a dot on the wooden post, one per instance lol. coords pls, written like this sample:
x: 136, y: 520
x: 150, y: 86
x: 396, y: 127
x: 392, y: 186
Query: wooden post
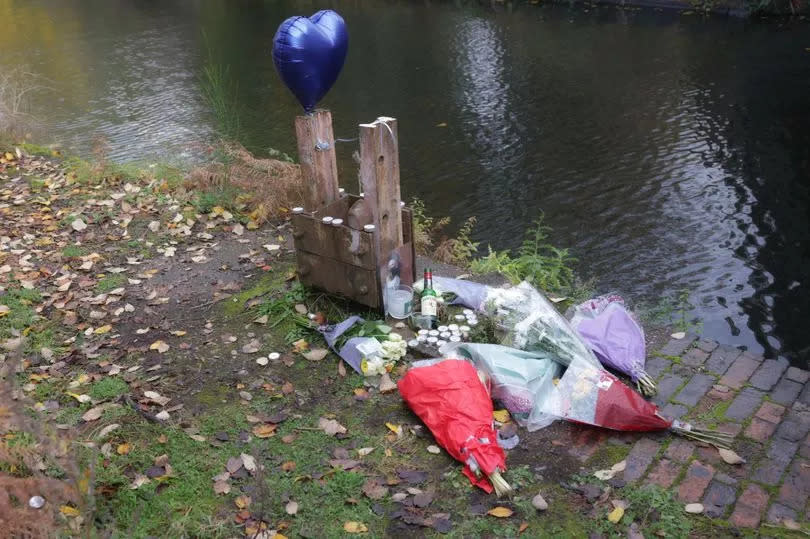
x: 316, y: 152
x: 379, y: 176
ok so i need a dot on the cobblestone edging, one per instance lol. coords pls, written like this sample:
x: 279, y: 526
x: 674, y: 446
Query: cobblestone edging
x: 765, y: 404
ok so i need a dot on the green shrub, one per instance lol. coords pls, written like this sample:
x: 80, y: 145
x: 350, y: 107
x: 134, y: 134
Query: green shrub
x: 537, y: 261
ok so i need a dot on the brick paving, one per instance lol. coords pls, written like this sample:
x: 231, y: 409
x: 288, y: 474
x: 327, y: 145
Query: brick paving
x: 764, y: 403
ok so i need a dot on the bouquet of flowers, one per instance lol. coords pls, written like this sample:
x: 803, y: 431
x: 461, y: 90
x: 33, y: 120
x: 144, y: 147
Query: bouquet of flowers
x: 615, y: 337
x: 531, y: 323
x: 536, y: 391
x: 592, y: 395
x: 450, y: 398
x: 369, y: 347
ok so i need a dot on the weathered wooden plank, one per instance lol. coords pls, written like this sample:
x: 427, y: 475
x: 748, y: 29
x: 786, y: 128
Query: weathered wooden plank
x: 316, y: 153
x: 379, y: 176
x: 339, y: 208
x: 341, y: 243
x: 338, y: 278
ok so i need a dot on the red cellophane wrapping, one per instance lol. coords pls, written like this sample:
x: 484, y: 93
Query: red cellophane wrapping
x: 453, y: 403
x: 621, y: 408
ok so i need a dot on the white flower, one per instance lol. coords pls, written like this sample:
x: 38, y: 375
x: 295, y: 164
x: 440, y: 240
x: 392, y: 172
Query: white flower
x: 394, y: 337
x: 373, y: 366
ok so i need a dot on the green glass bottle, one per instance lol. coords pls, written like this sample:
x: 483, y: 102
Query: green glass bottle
x: 430, y: 299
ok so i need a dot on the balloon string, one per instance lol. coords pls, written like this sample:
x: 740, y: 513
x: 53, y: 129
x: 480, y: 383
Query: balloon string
x: 390, y: 131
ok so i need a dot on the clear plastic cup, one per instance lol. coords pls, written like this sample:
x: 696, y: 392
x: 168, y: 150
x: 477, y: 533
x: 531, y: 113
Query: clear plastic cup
x: 400, y: 302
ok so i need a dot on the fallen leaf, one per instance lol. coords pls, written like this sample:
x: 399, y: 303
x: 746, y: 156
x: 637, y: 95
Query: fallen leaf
x: 344, y: 464
x: 604, y: 475
x: 84, y: 398
x: 363, y: 451
x: 252, y: 347
x: 242, y: 501
x: 434, y: 449
x: 500, y: 512
x: 222, y: 487
x: 139, y: 481
x: 288, y: 466
x: 160, y: 346
x: 69, y: 511
x: 300, y: 308
x: 291, y: 508
x: 264, y: 430
x: 423, y: 499
x: 123, y: 449
x: 678, y: 335
x: 523, y: 527
x: 263, y: 319
x: 693, y: 508
x: 790, y: 524
x: 316, y: 354
x: 78, y: 225
x: 93, y: 413
x: 224, y: 476
x: 287, y: 388
x: 619, y: 503
x: 396, y: 429
x: 374, y: 490
x: 539, y: 502
x: 501, y: 416
x: 163, y: 415
x: 103, y: 329
x: 386, y: 384
x: 156, y: 397
x: 288, y: 438
x: 248, y: 462
x: 330, y: 426
x: 354, y: 527
x: 341, y: 369
x: 616, y: 515
x: 233, y: 465
x: 619, y: 466
x: 262, y: 361
x: 729, y: 456
x: 106, y: 430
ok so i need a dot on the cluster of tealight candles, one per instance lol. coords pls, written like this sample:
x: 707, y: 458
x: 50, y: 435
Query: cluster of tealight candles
x: 455, y: 332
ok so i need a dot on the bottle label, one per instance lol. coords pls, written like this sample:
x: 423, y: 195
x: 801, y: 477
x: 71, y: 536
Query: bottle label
x: 430, y: 306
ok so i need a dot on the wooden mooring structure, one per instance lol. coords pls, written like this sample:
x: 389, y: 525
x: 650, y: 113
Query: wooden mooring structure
x: 355, y: 246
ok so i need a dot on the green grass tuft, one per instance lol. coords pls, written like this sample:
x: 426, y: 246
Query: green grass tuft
x: 110, y: 282
x: 108, y: 388
x: 72, y: 251
x: 21, y: 314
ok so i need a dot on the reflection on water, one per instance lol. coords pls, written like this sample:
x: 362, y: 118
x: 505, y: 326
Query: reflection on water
x: 669, y: 153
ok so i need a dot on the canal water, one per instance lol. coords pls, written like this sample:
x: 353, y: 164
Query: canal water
x: 669, y: 152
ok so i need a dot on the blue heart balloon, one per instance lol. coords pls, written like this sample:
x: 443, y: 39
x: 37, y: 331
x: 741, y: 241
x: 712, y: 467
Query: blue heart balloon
x: 309, y: 54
